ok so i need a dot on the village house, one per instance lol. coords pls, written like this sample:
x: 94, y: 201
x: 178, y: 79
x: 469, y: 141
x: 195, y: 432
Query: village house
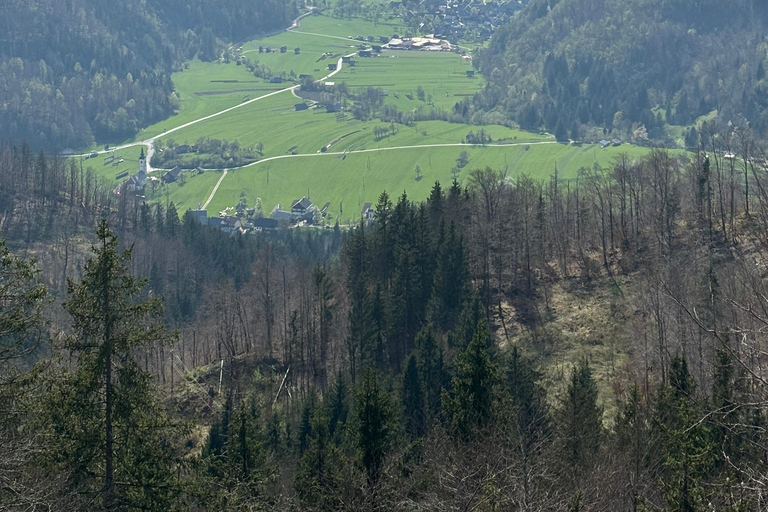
x: 300, y: 208
x: 265, y: 224
x: 368, y: 213
x: 172, y: 175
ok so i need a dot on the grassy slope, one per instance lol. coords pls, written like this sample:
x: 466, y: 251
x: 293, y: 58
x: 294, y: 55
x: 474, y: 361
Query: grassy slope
x: 365, y: 175
x: 360, y: 177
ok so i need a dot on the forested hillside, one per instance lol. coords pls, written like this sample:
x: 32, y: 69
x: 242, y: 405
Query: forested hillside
x: 80, y: 71
x: 587, y: 344
x: 568, y: 65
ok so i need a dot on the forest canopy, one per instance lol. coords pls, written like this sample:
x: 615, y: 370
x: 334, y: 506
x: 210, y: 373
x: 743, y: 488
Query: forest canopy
x: 567, y: 65
x: 78, y: 72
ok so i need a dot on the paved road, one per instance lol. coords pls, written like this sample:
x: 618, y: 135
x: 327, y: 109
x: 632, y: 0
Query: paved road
x: 372, y: 150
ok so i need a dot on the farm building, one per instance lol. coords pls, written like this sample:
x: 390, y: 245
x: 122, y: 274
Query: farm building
x: 297, y: 50
x: 368, y: 212
x: 333, y: 107
x: 376, y: 48
x: 300, y: 206
x: 364, y: 53
x: 300, y: 106
x: 470, y: 73
x: 275, y: 80
x: 332, y: 67
x: 171, y: 175
x: 265, y: 224
x: 283, y: 49
x: 304, y: 75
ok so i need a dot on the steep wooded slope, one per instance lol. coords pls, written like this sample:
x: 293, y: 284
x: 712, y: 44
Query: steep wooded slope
x: 567, y: 64
x: 82, y: 70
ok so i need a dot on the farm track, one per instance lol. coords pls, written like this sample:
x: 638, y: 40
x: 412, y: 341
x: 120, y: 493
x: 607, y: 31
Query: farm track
x: 372, y: 150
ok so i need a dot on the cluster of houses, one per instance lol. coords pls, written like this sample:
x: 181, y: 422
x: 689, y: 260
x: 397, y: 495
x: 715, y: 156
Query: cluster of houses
x: 605, y: 143
x: 138, y: 181
x: 426, y: 43
x: 301, y: 213
x: 454, y: 18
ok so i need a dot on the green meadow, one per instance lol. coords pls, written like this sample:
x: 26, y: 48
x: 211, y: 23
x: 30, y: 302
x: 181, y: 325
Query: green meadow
x: 442, y: 76
x: 369, y: 164
x: 351, y: 180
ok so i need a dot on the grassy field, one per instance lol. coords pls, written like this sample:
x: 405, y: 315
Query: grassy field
x: 189, y: 194
x: 274, y: 122
x: 442, y: 75
x: 368, y: 166
x: 359, y: 177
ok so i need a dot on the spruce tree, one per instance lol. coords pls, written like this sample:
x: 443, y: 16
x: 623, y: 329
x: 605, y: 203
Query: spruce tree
x: 110, y: 425
x: 581, y: 419
x: 412, y: 398
x: 375, y: 425
x: 172, y: 222
x: 531, y: 418
x: 337, y: 408
x: 470, y: 407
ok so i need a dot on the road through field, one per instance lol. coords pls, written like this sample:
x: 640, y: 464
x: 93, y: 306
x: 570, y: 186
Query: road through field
x: 372, y: 150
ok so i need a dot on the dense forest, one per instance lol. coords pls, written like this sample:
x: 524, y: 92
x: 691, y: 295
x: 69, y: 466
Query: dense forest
x: 80, y: 71
x: 576, y: 67
x: 508, y: 344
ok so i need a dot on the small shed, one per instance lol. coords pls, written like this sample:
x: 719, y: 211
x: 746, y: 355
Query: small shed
x: 300, y: 106
x: 332, y: 67
x: 365, y: 53
x: 297, y: 50
x: 283, y: 49
x: 376, y: 48
x: 275, y: 80
x: 470, y: 73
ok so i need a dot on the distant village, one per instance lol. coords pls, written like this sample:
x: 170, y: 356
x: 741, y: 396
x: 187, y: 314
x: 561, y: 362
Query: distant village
x: 241, y: 218
x: 459, y: 19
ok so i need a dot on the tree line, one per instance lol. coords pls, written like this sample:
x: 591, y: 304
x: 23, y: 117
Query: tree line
x: 82, y: 72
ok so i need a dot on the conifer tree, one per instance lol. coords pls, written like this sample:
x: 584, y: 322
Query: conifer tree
x: 337, y: 407
x: 111, y: 428
x: 531, y: 417
x: 581, y: 419
x: 375, y: 425
x: 318, y: 474
x: 470, y: 407
x: 172, y: 222
x: 412, y: 398
x: 432, y: 371
x: 686, y: 444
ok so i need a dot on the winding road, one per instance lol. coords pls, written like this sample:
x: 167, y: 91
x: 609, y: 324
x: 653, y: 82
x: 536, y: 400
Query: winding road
x: 149, y: 142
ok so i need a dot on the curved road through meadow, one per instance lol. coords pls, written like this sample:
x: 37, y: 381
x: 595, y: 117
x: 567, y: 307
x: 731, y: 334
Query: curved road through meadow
x: 149, y: 143
x: 372, y: 150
